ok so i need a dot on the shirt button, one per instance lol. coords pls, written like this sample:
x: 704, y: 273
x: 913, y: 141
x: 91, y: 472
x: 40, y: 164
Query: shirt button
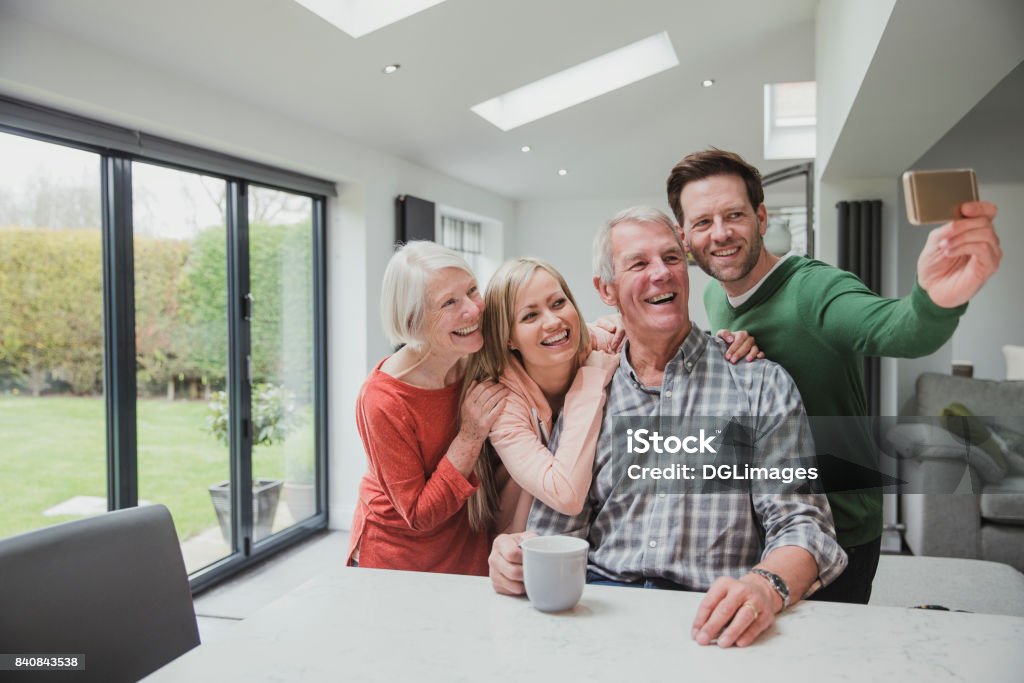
x: 689, y: 366
x: 653, y: 544
x: 668, y: 394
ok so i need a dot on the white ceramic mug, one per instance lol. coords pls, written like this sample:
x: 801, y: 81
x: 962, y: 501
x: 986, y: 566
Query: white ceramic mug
x: 554, y: 571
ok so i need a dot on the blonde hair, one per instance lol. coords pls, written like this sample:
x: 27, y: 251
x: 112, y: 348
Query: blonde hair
x: 490, y: 362
x: 404, y: 290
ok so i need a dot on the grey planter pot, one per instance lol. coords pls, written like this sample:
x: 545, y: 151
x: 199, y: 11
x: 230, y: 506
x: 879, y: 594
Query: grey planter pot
x: 301, y: 500
x: 265, y: 494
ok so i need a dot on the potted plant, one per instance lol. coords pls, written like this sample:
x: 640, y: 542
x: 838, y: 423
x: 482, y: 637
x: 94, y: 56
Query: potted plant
x: 273, y: 416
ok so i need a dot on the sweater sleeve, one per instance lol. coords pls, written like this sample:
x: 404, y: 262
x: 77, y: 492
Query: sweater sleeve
x: 561, y: 481
x: 854, y: 318
x: 425, y: 500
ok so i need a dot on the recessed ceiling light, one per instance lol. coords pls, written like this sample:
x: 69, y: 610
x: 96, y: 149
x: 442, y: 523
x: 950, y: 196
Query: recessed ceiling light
x: 580, y: 83
x: 525, y: 148
x: 562, y: 171
x: 708, y: 82
x: 359, y: 17
x: 391, y: 68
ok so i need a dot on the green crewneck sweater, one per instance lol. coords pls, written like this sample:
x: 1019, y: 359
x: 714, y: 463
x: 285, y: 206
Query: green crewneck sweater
x: 819, y: 322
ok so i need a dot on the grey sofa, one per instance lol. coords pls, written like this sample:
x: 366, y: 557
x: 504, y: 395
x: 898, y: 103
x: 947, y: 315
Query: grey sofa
x: 963, y: 497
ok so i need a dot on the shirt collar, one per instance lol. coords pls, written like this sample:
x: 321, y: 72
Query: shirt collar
x: 684, y: 360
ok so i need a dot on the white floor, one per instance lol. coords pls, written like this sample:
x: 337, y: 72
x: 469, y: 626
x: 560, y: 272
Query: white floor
x: 221, y: 607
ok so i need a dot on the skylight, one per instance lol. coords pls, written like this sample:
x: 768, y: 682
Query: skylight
x: 600, y: 75
x: 359, y: 17
x: 790, y: 120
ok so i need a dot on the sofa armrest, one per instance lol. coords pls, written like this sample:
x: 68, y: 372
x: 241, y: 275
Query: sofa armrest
x: 925, y: 441
x: 928, y: 441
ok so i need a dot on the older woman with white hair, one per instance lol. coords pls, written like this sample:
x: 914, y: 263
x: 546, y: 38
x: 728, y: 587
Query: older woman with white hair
x: 422, y: 438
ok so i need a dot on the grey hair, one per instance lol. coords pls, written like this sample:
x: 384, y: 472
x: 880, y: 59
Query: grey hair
x: 603, y: 266
x: 404, y: 290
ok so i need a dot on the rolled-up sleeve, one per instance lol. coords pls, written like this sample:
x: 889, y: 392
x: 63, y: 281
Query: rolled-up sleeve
x: 805, y: 521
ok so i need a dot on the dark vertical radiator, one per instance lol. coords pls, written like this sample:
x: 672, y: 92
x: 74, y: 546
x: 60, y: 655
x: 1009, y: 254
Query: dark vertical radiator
x: 414, y: 218
x: 860, y: 252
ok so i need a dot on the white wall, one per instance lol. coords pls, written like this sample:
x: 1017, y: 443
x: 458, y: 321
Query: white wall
x: 847, y: 33
x: 886, y: 98
x: 42, y: 66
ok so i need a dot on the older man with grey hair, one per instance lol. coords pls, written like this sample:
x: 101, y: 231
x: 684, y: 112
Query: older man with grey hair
x: 754, y: 552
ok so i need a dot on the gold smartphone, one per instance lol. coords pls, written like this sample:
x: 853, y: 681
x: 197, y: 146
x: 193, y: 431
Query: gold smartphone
x: 936, y: 196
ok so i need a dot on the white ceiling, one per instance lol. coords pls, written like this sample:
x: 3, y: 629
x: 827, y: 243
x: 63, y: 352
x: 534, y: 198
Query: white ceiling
x: 278, y: 55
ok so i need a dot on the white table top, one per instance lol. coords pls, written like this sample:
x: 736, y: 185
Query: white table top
x: 374, y: 625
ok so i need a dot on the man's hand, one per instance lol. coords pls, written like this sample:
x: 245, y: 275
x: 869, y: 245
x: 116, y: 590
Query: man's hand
x: 741, y: 344
x: 735, y: 611
x: 960, y: 256
x: 506, y: 563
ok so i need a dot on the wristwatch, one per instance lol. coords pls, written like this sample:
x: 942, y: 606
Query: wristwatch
x: 776, y: 583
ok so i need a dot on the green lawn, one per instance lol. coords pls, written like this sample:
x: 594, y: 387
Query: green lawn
x: 54, y: 448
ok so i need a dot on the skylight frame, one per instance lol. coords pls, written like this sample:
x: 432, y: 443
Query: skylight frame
x: 580, y: 83
x: 357, y: 18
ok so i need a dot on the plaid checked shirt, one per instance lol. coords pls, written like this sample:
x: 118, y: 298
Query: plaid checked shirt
x: 691, y: 538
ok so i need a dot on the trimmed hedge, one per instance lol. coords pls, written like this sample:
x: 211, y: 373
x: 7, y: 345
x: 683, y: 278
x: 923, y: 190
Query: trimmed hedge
x: 51, y: 308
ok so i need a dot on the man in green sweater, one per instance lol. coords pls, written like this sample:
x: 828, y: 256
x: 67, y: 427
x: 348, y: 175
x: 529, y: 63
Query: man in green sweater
x: 819, y: 322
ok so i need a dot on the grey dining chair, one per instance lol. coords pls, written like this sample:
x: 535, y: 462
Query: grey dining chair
x: 112, y: 588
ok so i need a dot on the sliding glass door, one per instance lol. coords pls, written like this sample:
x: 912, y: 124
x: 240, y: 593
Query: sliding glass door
x: 163, y: 337
x: 52, y: 417
x: 282, y: 332
x: 181, y: 348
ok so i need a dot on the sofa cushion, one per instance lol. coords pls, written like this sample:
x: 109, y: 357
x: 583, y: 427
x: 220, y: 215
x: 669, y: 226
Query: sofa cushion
x: 1004, y: 502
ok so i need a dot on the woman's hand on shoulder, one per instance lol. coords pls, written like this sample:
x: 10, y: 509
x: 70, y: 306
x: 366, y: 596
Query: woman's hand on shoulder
x: 480, y: 408
x: 607, y: 333
x: 741, y: 344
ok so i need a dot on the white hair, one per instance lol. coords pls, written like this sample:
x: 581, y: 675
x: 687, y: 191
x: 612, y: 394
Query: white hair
x: 404, y: 290
x: 603, y: 266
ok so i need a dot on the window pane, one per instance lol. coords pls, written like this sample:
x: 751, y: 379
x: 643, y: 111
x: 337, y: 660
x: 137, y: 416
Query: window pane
x: 465, y: 237
x: 281, y: 273
x: 181, y: 354
x: 52, y: 416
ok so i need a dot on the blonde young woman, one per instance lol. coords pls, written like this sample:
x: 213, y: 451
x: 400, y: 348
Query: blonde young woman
x: 536, y: 345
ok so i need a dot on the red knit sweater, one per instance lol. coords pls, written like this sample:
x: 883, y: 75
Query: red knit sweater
x: 411, y: 512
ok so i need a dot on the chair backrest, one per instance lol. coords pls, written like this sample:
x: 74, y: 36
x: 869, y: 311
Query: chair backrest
x: 112, y: 588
